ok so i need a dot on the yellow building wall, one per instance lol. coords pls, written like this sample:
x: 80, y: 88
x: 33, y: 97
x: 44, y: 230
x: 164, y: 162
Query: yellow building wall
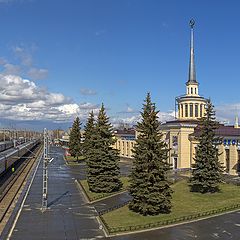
x: 185, y: 151
x: 125, y: 147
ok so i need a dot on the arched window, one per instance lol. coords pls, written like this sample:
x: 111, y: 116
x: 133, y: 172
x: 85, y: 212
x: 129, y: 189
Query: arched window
x: 191, y: 90
x: 195, y: 90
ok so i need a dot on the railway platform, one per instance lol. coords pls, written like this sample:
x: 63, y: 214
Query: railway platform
x: 68, y: 215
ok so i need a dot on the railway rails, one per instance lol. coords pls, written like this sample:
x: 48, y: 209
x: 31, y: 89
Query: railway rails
x: 10, y: 190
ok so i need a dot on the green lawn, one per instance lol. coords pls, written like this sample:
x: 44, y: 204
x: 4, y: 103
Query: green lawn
x: 184, y: 203
x: 71, y: 159
x: 95, y: 196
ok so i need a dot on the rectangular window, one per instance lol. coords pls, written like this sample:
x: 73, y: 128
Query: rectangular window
x: 227, y: 161
x: 186, y: 110
x: 191, y: 110
x: 196, y: 110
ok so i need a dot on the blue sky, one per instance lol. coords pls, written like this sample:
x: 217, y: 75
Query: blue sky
x: 76, y: 54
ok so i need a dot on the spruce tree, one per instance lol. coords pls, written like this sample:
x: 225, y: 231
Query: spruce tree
x: 206, y: 173
x: 148, y: 182
x: 75, y: 147
x: 88, y: 133
x: 103, y: 159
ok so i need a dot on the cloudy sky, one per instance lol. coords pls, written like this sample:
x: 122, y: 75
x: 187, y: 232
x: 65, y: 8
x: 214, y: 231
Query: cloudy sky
x: 62, y: 58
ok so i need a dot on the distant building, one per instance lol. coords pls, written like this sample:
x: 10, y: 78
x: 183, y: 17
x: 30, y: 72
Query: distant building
x: 125, y: 140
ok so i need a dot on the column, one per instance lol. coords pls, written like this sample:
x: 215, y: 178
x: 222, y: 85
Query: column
x: 233, y: 159
x: 179, y: 110
x: 222, y: 157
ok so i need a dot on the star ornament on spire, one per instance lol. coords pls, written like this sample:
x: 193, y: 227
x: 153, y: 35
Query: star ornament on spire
x: 192, y: 23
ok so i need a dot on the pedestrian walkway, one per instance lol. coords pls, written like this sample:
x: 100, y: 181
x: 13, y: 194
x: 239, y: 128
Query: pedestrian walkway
x: 111, y: 202
x: 68, y: 217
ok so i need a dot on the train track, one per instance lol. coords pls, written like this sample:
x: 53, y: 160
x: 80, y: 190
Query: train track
x: 13, y: 186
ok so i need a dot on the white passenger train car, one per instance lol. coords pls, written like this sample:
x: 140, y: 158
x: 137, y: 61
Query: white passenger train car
x: 6, y: 161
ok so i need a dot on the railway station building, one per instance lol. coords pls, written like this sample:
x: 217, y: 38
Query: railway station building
x: 181, y: 133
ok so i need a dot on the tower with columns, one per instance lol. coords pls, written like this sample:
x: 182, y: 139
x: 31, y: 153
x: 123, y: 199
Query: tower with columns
x: 191, y: 106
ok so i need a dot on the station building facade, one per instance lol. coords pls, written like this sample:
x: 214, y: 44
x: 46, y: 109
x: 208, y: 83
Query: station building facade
x: 181, y: 133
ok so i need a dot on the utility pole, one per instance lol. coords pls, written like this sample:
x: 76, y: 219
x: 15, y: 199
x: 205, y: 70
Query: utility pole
x: 45, y: 171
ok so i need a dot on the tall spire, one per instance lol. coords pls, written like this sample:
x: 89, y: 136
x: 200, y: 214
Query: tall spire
x: 192, y: 71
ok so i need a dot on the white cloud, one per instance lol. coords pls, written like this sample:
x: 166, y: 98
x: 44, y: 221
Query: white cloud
x: 166, y: 116
x: 24, y: 55
x: 22, y: 99
x: 37, y: 74
x: 11, y: 69
x: 133, y: 119
x: 3, y: 61
x: 128, y: 109
x: 87, y: 91
x: 226, y: 113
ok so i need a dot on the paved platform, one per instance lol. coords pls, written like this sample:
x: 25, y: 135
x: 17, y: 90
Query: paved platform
x: 68, y: 216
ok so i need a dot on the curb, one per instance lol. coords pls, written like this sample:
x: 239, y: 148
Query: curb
x: 90, y: 201
x: 172, y: 223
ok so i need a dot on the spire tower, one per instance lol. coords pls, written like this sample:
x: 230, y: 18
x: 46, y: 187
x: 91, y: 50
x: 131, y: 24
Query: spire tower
x: 192, y: 70
x: 192, y: 84
x: 191, y: 106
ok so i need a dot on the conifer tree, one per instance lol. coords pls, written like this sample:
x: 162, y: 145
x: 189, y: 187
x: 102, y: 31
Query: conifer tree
x: 75, y: 147
x: 207, y: 169
x: 148, y: 183
x: 88, y: 133
x: 103, y: 159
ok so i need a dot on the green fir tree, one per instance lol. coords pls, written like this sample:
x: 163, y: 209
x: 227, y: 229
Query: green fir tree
x: 75, y: 146
x: 148, y: 182
x: 88, y: 133
x: 207, y: 170
x: 103, y: 160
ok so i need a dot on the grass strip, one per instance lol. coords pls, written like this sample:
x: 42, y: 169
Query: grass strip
x: 73, y: 160
x: 92, y: 196
x: 186, y: 207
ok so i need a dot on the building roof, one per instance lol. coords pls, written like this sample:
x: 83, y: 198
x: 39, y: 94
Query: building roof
x: 180, y: 121
x: 222, y: 131
x: 227, y: 131
x: 124, y: 132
